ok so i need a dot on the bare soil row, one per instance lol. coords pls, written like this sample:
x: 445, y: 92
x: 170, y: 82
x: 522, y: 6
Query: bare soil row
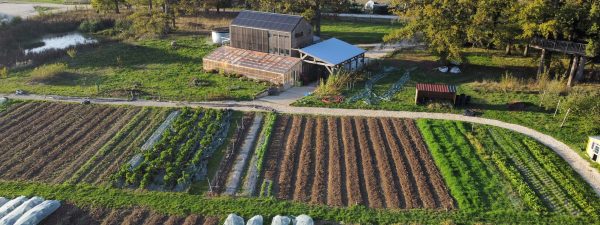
x: 69, y: 214
x: 380, y: 163
x: 49, y: 141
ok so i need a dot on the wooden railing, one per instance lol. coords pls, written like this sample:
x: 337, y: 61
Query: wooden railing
x: 568, y: 47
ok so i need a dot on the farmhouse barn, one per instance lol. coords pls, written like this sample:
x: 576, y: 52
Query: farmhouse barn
x: 280, y: 49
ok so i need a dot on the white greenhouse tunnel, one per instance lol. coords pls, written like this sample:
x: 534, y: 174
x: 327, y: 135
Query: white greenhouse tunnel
x: 26, y: 211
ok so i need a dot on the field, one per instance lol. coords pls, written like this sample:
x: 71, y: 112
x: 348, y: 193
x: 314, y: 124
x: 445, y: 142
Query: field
x: 49, y: 142
x: 488, y: 168
x: 484, y: 65
x: 70, y: 214
x: 339, y: 169
x: 380, y: 163
x: 357, y: 32
x: 152, y: 69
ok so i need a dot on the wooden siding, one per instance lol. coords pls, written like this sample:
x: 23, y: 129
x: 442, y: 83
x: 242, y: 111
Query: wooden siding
x: 249, y: 38
x: 272, y: 41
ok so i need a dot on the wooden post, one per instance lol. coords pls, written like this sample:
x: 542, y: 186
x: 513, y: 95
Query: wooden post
x: 573, y: 71
x: 557, y: 105
x: 565, y: 119
x: 526, y: 51
x: 542, y: 62
x: 581, y: 68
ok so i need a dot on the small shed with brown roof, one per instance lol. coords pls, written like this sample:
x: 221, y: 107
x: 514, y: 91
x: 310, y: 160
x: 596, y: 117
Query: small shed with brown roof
x: 435, y: 92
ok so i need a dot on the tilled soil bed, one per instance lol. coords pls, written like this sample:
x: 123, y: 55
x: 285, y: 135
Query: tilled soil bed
x: 380, y: 163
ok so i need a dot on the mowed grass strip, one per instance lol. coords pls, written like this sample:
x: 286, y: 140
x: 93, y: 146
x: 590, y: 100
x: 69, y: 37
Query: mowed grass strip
x: 171, y: 203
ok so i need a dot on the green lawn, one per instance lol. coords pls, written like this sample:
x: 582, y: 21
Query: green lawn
x: 356, y: 32
x: 153, y: 67
x: 483, y: 65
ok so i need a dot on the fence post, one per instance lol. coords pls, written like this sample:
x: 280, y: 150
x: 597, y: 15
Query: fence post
x: 557, y: 105
x: 564, y: 119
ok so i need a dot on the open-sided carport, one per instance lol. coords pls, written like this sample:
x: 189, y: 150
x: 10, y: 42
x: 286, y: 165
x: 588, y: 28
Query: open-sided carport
x: 334, y: 54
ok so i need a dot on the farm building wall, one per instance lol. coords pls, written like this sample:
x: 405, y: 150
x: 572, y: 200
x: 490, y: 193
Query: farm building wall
x: 286, y: 79
x: 593, y: 148
x: 272, y: 41
x: 249, y: 38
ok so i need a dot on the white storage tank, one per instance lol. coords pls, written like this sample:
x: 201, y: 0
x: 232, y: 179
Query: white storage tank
x: 220, y: 35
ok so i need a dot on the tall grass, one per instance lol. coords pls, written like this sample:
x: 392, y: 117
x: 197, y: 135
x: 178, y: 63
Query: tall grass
x: 336, y: 83
x: 47, y: 72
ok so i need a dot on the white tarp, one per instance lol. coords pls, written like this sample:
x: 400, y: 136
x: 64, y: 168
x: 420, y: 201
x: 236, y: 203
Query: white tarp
x: 333, y: 51
x: 304, y: 220
x: 256, y: 220
x: 233, y: 219
x: 11, y: 205
x: 13, y: 216
x: 281, y: 220
x: 38, y: 213
x: 3, y: 201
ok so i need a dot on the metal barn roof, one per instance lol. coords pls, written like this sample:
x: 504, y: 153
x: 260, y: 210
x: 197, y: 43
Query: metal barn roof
x: 333, y: 51
x: 442, y: 88
x: 252, y: 59
x: 267, y: 21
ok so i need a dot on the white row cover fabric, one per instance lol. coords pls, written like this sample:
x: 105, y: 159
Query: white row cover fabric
x: 38, y: 213
x: 3, y: 201
x: 233, y: 219
x: 304, y: 220
x: 13, y: 216
x: 11, y: 205
x: 333, y: 51
x: 281, y: 220
x: 256, y: 220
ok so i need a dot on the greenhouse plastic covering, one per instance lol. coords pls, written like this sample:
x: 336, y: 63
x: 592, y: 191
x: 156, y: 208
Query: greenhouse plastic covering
x: 281, y: 220
x: 256, y: 220
x: 13, y: 216
x: 11, y: 205
x: 3, y: 201
x: 38, y: 213
x: 233, y: 219
x: 304, y: 220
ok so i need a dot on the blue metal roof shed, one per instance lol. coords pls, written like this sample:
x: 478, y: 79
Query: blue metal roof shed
x: 333, y: 54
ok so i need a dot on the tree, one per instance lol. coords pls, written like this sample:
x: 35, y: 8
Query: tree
x: 107, y: 5
x: 493, y: 24
x: 441, y: 24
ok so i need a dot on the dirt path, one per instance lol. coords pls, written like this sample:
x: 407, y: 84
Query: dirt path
x: 580, y: 165
x: 235, y: 176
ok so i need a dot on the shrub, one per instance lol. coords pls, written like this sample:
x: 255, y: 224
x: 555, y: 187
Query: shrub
x: 4, y: 72
x: 336, y: 83
x: 95, y: 25
x: 47, y: 72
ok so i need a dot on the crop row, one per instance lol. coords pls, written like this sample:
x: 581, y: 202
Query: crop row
x: 174, y: 159
x: 472, y: 182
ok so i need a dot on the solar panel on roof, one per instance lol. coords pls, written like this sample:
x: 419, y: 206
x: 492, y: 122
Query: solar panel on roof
x: 270, y: 21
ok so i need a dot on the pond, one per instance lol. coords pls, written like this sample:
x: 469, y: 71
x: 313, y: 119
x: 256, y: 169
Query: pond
x: 62, y: 41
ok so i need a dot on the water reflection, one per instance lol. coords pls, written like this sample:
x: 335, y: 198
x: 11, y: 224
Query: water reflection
x: 62, y: 42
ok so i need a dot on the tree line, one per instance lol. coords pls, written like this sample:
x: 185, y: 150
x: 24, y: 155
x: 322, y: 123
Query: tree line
x: 160, y: 15
x: 448, y: 25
